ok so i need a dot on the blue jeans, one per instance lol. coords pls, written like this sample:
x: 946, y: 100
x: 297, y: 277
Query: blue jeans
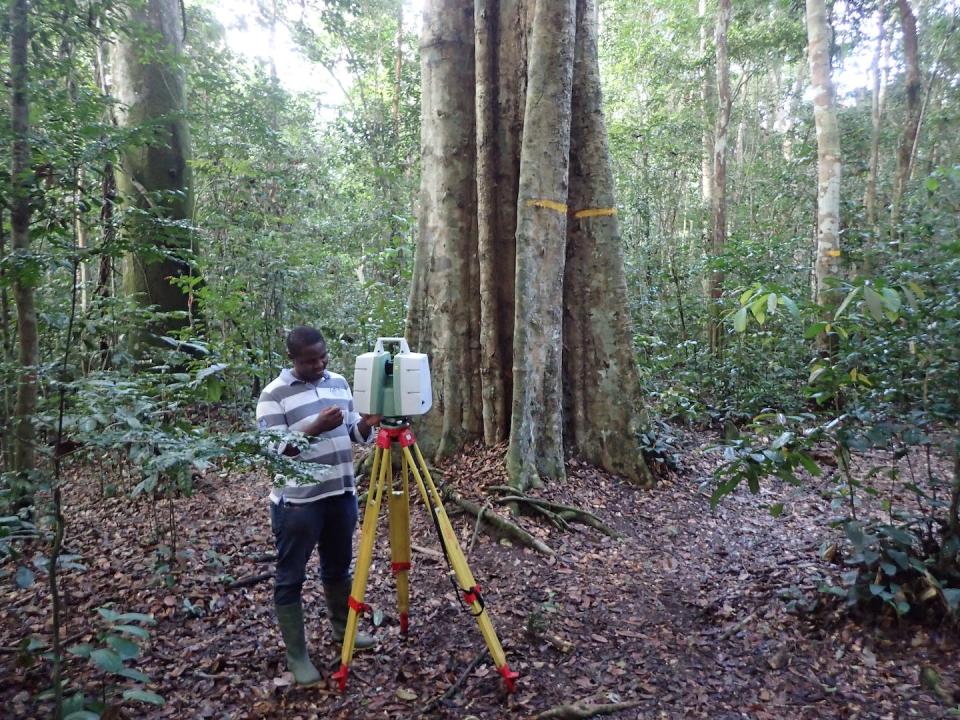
x: 328, y: 525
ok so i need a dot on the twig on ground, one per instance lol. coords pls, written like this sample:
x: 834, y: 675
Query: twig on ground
x: 453, y: 688
x: 737, y: 627
x: 250, y: 580
x: 580, y: 710
x: 429, y: 552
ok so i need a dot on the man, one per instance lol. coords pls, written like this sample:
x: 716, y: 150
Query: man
x: 320, y: 512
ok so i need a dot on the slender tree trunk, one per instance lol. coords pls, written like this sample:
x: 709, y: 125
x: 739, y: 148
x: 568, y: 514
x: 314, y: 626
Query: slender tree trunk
x: 718, y: 230
x: 827, y: 261
x: 708, y: 92
x: 876, y: 114
x: 22, y: 181
x: 911, y: 60
x: 600, y: 372
x: 155, y: 177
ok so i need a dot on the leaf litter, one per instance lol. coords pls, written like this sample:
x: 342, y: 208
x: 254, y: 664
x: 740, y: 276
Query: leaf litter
x: 693, y: 613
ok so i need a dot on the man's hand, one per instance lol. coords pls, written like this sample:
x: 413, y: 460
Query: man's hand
x: 328, y: 419
x: 367, y: 422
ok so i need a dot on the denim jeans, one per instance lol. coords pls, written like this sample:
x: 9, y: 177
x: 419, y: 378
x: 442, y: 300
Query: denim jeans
x: 328, y: 525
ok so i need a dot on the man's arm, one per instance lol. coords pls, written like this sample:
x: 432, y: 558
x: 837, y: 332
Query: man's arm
x: 270, y: 416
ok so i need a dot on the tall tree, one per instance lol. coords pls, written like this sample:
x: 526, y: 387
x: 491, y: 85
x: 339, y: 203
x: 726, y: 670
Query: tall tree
x: 155, y: 174
x: 827, y: 259
x: 22, y: 181
x: 718, y: 194
x: 878, y: 70
x: 911, y: 121
x: 518, y: 290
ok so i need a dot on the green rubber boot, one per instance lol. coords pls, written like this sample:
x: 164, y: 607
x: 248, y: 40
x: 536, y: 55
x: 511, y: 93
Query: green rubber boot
x: 337, y: 595
x: 290, y: 618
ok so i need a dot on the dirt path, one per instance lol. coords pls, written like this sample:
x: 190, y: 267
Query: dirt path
x: 687, y: 615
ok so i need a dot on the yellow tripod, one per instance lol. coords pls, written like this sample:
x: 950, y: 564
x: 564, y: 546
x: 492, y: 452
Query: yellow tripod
x: 397, y: 430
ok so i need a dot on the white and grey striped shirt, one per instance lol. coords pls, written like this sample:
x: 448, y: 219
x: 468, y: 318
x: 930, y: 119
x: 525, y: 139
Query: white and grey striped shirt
x: 291, y: 404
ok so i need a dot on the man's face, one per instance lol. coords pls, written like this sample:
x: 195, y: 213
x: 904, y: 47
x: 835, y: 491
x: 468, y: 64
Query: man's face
x: 309, y: 363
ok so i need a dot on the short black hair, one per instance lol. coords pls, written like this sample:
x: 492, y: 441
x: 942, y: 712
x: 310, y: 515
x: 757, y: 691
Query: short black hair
x: 302, y: 337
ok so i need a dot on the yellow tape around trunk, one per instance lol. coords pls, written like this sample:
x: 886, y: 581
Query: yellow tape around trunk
x: 549, y: 204
x: 595, y: 212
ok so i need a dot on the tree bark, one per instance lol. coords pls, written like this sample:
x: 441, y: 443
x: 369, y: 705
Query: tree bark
x: 602, y: 396
x: 536, y: 429
x: 518, y: 290
x: 443, y: 318
x: 22, y: 181
x: 718, y: 228
x: 501, y: 42
x: 827, y: 261
x: 876, y: 115
x: 155, y: 176
x: 911, y: 61
x: 708, y: 91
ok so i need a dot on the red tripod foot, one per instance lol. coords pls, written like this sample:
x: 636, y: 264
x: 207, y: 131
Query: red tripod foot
x: 509, y: 677
x: 341, y: 677
x: 404, y: 622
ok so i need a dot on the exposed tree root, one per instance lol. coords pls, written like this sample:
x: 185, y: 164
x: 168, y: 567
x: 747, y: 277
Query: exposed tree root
x: 560, y: 515
x: 580, y: 710
x: 503, y: 527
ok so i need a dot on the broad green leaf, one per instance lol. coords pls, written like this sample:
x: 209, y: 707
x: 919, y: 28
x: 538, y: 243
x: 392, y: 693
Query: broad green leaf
x: 81, y: 650
x: 106, y: 660
x: 891, y: 298
x: 776, y: 509
x: 874, y: 302
x: 740, y: 320
x: 134, y: 675
x: 917, y: 290
x: 134, y: 630
x: 143, y: 696
x: 124, y: 648
x: 813, y: 330
x: 129, y: 617
x: 790, y: 305
x: 952, y: 596
x: 759, y: 309
x: 846, y: 302
x: 25, y: 577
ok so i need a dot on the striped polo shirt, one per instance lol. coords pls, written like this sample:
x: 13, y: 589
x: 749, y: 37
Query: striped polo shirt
x: 291, y: 404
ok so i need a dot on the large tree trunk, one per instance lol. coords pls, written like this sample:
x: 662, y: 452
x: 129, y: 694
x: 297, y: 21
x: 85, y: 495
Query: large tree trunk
x: 911, y: 61
x: 444, y: 313
x: 155, y: 176
x: 518, y: 289
x: 827, y: 261
x: 600, y: 373
x: 718, y: 227
x: 24, y: 456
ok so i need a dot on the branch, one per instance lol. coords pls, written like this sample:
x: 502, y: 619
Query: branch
x: 580, y: 710
x: 507, y: 528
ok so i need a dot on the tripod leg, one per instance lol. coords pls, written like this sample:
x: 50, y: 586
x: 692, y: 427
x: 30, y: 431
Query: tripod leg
x: 467, y: 583
x: 398, y: 506
x: 368, y: 532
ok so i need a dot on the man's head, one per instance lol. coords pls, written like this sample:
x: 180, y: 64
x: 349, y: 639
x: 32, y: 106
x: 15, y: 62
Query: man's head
x: 307, y: 351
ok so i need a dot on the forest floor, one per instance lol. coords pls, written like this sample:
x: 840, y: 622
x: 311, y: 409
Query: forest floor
x: 693, y: 613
